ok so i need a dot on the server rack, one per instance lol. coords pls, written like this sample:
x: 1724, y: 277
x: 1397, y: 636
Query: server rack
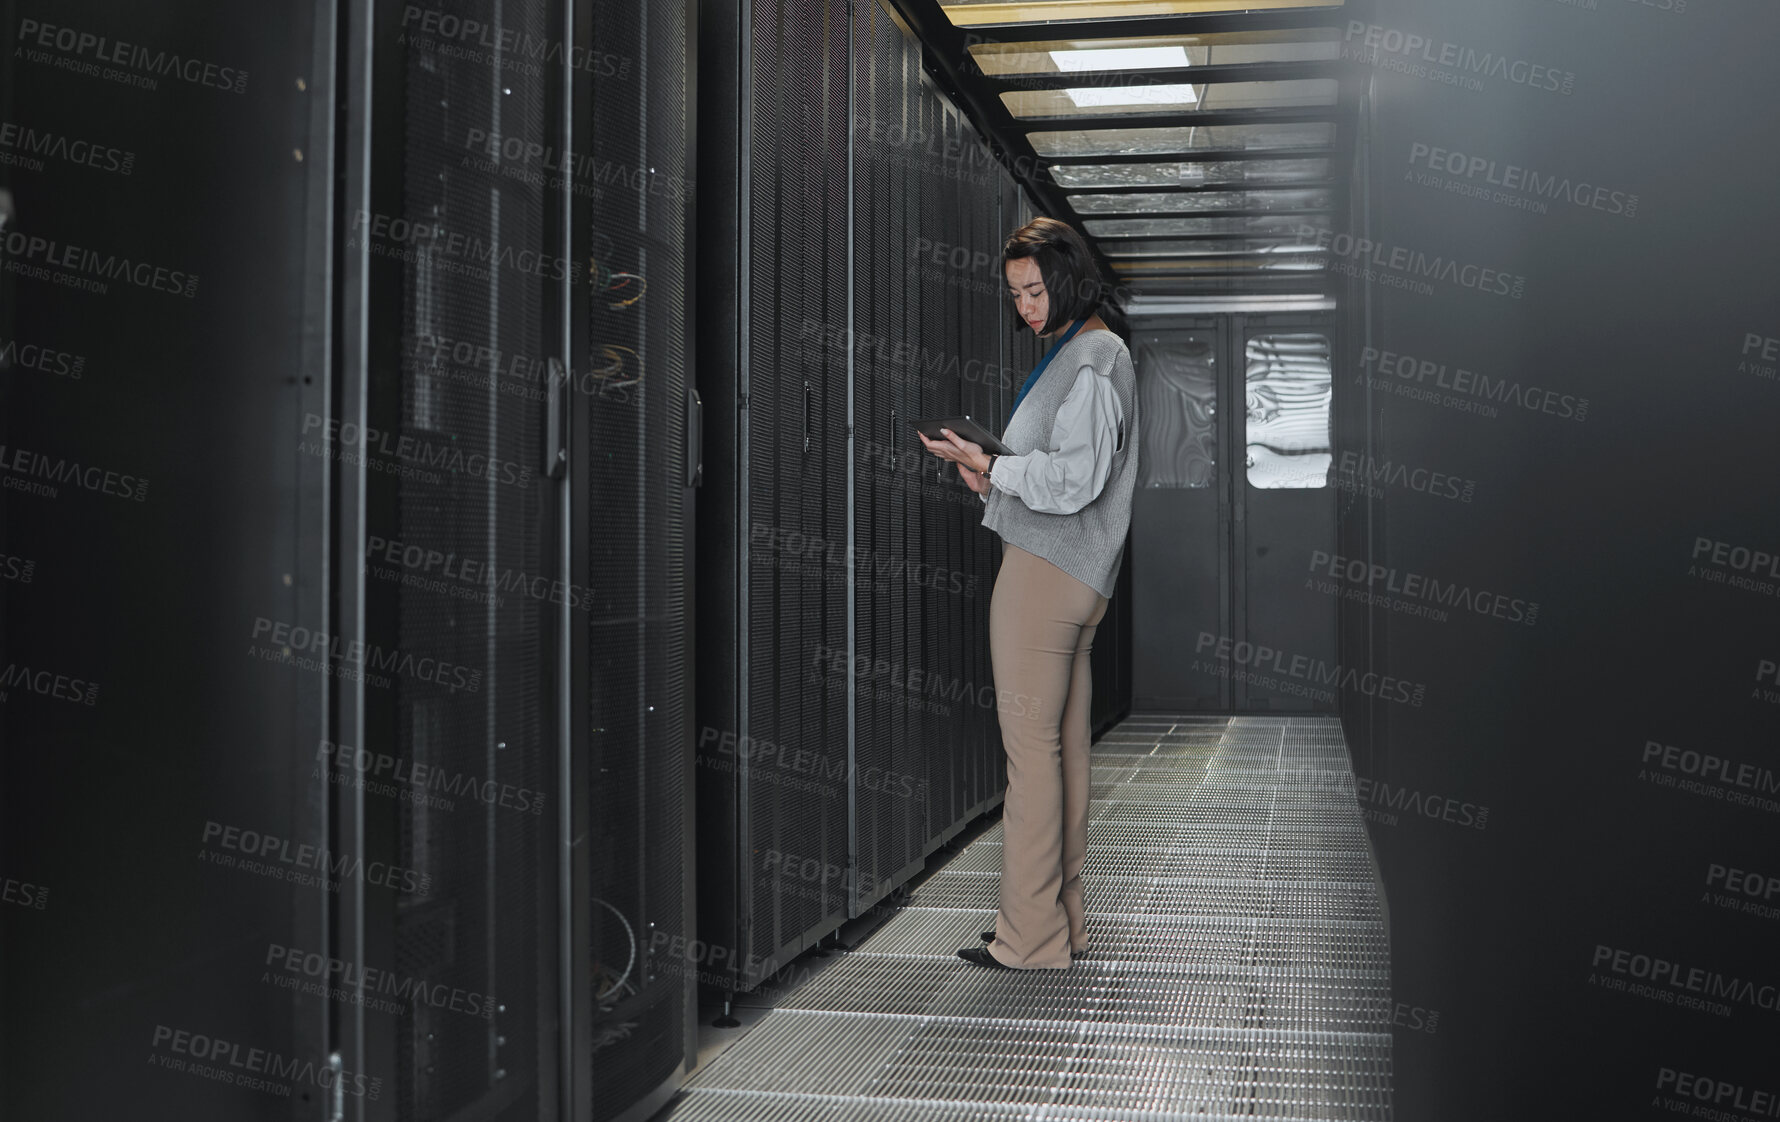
x: 847, y: 723
x: 455, y: 332
x: 529, y: 337
x: 773, y: 763
x: 888, y: 797
x: 633, y: 465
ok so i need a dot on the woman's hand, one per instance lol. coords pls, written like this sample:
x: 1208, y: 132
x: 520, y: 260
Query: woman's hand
x: 966, y: 454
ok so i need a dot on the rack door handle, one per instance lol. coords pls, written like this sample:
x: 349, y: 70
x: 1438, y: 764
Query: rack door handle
x: 695, y: 438
x: 556, y: 421
x: 806, y: 415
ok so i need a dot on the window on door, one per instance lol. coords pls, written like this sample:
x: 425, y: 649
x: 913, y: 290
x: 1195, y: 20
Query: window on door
x: 1289, y: 383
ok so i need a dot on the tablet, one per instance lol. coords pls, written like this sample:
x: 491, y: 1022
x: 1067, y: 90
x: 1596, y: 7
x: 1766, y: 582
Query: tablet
x: 966, y: 428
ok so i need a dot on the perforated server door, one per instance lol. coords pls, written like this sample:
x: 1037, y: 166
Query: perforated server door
x: 773, y: 734
x: 465, y: 258
x: 632, y: 324
x: 890, y: 467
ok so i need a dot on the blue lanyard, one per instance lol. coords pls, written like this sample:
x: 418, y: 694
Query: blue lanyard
x: 1032, y: 378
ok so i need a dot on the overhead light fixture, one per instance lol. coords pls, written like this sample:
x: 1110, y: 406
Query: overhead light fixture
x: 967, y: 13
x: 1169, y: 94
x: 1121, y: 58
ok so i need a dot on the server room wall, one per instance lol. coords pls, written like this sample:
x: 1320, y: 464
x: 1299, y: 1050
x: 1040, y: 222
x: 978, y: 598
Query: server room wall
x: 1569, y: 775
x: 159, y: 485
x: 897, y: 316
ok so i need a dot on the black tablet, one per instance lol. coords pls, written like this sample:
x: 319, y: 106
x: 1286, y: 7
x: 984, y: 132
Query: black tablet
x: 966, y: 428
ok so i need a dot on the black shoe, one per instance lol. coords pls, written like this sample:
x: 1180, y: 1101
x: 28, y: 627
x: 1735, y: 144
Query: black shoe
x: 989, y: 935
x: 980, y: 956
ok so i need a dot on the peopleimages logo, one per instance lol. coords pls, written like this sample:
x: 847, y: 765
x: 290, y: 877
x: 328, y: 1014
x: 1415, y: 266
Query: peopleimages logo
x: 82, y: 45
x: 1260, y: 659
x: 29, y: 356
x: 452, y: 251
x: 512, y: 48
x: 1421, y: 378
x: 828, y: 771
x: 1518, y: 182
x: 24, y: 146
x: 1688, y: 979
x: 87, y: 269
x: 308, y: 864
x: 584, y: 167
x: 912, y: 681
x: 1378, y: 797
x: 412, y: 450
x: 1724, y: 1095
x: 1448, y: 62
x: 910, y: 356
x: 1355, y: 469
x: 380, y: 769
x: 1411, y: 267
x: 470, y: 577
x: 796, y: 550
x: 345, y: 982
x: 1738, y: 558
x: 23, y: 893
x: 286, y: 637
x: 197, y: 1053
x: 1387, y: 579
x: 47, y: 683
x: 22, y: 468
x: 1710, y: 775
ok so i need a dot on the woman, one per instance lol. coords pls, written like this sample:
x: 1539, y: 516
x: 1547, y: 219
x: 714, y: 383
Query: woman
x: 1062, y: 507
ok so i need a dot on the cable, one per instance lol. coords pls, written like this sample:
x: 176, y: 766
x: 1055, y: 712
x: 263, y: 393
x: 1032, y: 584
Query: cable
x: 603, y: 994
x: 628, y: 278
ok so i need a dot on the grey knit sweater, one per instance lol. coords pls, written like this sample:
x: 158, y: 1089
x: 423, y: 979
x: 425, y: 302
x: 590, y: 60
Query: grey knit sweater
x: 1089, y: 544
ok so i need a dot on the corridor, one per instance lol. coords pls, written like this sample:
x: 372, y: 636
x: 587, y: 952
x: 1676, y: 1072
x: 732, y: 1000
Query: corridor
x: 1238, y: 963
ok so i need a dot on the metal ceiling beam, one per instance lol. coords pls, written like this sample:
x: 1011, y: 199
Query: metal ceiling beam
x: 946, y: 57
x: 1301, y: 212
x: 1114, y: 118
x: 1175, y: 75
x: 943, y: 55
x: 1323, y: 184
x: 1145, y: 27
x: 1197, y: 156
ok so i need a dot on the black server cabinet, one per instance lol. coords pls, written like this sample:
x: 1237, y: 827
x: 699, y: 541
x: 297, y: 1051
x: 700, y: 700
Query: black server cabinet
x: 633, y: 467
x: 526, y: 345
x: 890, y: 783
x: 939, y: 520
x: 464, y: 258
x: 847, y: 719
x: 773, y: 726
x: 164, y: 623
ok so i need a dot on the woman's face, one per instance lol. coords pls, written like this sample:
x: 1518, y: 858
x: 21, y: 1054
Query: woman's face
x: 1027, y: 286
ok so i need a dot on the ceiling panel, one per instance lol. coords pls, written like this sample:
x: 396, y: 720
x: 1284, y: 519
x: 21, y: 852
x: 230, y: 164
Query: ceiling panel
x: 1126, y: 101
x: 1067, y: 56
x: 1172, y: 202
x: 1191, y: 173
x: 1190, y: 141
x: 1208, y: 247
x: 1286, y: 224
x: 972, y: 13
x: 1168, y: 141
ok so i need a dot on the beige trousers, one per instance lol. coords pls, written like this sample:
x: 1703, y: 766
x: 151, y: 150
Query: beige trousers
x: 1041, y: 627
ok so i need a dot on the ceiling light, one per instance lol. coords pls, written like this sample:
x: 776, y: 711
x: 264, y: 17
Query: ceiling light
x: 967, y: 13
x: 1134, y: 95
x: 1121, y: 58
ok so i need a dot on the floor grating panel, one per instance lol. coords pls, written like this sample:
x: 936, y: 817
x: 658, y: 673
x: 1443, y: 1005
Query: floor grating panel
x: 1238, y: 964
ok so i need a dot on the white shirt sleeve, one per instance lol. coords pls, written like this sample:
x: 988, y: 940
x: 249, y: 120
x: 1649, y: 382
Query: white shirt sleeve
x: 1069, y: 475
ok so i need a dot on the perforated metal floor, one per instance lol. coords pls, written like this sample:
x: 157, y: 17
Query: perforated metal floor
x: 1237, y: 965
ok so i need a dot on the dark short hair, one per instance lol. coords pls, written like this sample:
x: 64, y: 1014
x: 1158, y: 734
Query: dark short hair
x: 1070, y: 277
